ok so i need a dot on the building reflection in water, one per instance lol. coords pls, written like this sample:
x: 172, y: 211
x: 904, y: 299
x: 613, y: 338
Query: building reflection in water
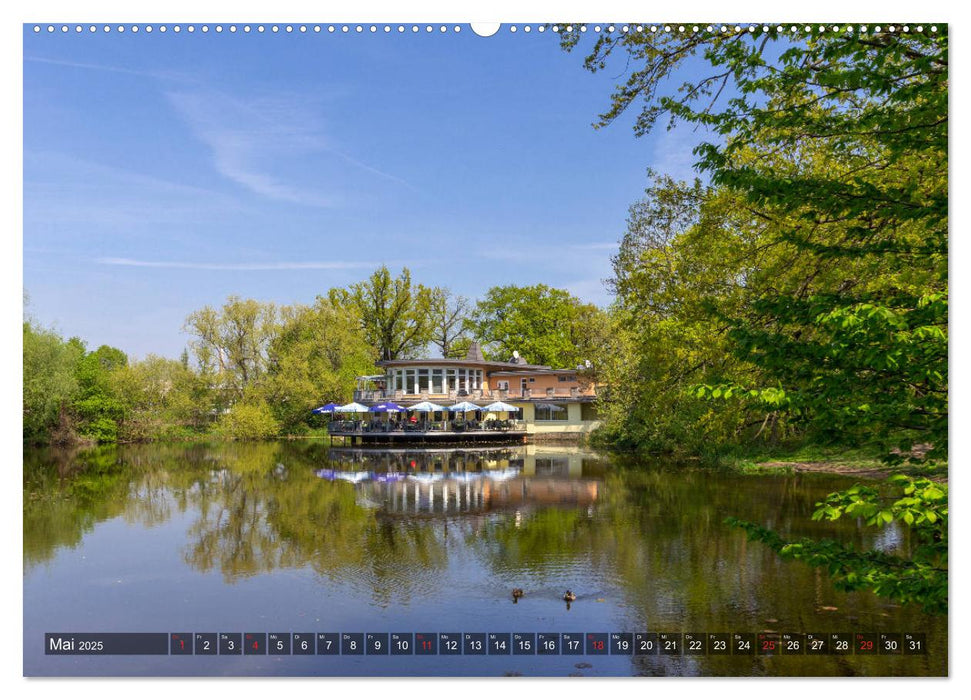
x: 451, y: 482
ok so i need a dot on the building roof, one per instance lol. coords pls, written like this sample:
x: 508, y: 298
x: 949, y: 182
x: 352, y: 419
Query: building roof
x: 451, y: 362
x: 532, y: 369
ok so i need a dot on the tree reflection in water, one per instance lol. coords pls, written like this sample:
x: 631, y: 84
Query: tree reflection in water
x: 389, y: 525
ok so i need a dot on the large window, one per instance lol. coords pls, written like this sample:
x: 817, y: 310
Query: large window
x: 549, y: 412
x: 435, y: 380
x: 588, y: 411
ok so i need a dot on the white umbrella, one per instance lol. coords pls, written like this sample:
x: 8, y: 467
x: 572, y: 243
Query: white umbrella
x: 426, y: 407
x: 351, y: 408
x: 464, y: 407
x: 500, y: 406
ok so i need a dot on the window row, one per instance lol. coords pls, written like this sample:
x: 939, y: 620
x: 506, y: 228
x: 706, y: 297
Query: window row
x: 434, y: 380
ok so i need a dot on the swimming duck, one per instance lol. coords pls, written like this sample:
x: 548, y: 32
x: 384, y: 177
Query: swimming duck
x: 569, y: 596
x: 517, y: 593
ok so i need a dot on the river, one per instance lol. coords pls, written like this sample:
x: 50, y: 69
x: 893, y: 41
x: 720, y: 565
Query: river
x: 298, y: 537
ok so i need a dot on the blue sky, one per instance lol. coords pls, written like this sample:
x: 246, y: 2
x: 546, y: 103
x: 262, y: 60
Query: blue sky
x: 164, y: 172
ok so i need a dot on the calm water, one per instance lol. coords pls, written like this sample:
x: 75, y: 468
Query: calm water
x: 295, y: 537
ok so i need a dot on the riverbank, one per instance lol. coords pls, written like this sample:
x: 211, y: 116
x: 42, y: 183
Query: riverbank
x: 847, y: 462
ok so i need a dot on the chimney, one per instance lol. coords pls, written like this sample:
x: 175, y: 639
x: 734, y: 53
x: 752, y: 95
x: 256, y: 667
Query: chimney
x: 475, y: 353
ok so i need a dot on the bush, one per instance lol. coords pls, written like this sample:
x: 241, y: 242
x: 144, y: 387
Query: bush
x: 248, y: 422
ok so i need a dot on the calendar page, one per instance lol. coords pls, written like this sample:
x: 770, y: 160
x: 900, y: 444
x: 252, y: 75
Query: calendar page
x: 425, y: 348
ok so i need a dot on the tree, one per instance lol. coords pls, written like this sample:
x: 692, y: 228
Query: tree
x: 546, y: 326
x: 866, y: 357
x: 448, y: 314
x: 161, y: 398
x: 231, y: 344
x: 49, y: 381
x: 689, y: 257
x: 97, y: 406
x: 394, y: 313
x: 838, y: 143
x: 315, y: 357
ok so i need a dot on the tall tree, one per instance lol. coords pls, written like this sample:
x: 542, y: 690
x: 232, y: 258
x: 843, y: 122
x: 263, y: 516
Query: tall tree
x: 395, y: 314
x: 231, y: 343
x: 866, y: 357
x: 50, y: 384
x: 837, y: 141
x: 545, y: 325
x: 448, y: 314
x: 315, y: 358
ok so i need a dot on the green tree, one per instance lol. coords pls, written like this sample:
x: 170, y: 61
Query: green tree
x: 547, y: 326
x: 162, y: 398
x: 837, y: 141
x: 97, y: 406
x: 231, y: 344
x: 689, y: 257
x: 448, y: 314
x: 866, y: 358
x: 315, y: 358
x: 395, y: 314
x: 49, y: 381
x: 248, y: 420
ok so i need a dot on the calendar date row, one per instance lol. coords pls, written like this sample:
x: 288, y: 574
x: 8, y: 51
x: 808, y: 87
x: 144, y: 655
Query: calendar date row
x: 489, y: 643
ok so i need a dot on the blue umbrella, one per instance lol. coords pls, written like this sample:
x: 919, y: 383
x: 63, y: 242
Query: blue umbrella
x: 386, y: 407
x: 326, y: 408
x: 352, y: 408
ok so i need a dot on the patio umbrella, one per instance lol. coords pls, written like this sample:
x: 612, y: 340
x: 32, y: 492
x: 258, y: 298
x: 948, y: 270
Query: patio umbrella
x: 464, y: 407
x: 326, y: 408
x: 426, y: 407
x: 499, y: 407
x: 352, y: 408
x: 386, y: 407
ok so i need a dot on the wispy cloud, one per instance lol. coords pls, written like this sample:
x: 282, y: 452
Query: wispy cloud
x: 320, y: 265
x: 274, y: 146
x: 160, y: 75
x: 62, y: 189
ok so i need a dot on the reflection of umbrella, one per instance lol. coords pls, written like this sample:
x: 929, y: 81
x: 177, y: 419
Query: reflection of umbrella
x: 464, y: 407
x: 465, y: 476
x: 326, y: 408
x: 389, y: 477
x: 351, y: 408
x: 499, y: 406
x: 426, y: 478
x: 426, y: 407
x: 353, y: 477
x: 550, y: 407
x: 501, y: 474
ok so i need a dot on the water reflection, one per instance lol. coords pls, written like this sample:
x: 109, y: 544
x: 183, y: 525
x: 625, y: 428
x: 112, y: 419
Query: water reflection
x: 453, y: 482
x: 446, y: 535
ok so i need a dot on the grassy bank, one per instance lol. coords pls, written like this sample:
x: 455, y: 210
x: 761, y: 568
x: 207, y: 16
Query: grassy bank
x: 863, y: 462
